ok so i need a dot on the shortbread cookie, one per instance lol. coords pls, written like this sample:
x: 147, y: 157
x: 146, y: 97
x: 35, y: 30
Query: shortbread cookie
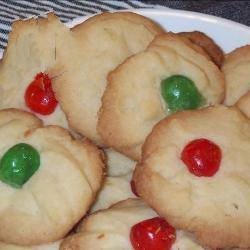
x: 116, y: 228
x: 32, y: 51
x: 195, y: 171
x: 50, y: 246
x: 116, y: 186
x: 47, y: 180
x: 114, y: 189
x: 237, y: 74
x: 207, y: 44
x: 244, y: 104
x: 169, y: 76
x: 118, y: 164
x: 103, y: 42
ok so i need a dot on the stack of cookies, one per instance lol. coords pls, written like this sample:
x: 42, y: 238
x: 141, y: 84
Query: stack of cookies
x: 117, y: 134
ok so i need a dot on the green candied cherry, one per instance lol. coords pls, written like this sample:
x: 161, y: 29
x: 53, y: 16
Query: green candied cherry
x: 180, y: 93
x: 18, y: 164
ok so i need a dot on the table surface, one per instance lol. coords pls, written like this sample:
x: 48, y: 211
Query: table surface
x: 67, y: 10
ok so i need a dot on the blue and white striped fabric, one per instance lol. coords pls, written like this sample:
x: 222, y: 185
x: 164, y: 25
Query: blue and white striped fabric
x: 65, y: 9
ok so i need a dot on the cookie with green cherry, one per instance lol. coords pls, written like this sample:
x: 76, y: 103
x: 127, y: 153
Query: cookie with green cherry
x: 48, y: 180
x: 171, y: 75
x: 102, y: 43
x: 236, y: 69
x: 195, y: 172
x: 132, y: 225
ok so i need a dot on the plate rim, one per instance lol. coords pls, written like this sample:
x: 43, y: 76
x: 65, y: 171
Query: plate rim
x: 169, y: 11
x: 162, y: 11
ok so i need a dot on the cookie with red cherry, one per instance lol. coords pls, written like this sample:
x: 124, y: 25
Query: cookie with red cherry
x: 102, y: 43
x: 171, y: 75
x: 25, y: 69
x: 236, y: 69
x: 129, y: 225
x: 48, y: 180
x: 195, y: 172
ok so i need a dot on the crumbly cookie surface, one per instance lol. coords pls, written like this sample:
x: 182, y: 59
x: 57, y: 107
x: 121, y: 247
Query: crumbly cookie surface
x: 236, y: 69
x: 205, y: 206
x: 110, y: 229
x: 132, y: 103
x: 33, y: 48
x: 103, y: 42
x: 59, y: 193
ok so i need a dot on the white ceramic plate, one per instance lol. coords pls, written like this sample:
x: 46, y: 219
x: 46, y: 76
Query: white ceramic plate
x: 227, y: 34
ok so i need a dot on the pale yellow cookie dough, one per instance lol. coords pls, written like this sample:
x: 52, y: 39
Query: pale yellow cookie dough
x: 114, y: 189
x: 109, y: 229
x: 236, y: 69
x: 33, y: 47
x: 50, y: 246
x: 59, y: 193
x: 244, y: 104
x: 215, y: 209
x: 102, y: 43
x: 118, y: 164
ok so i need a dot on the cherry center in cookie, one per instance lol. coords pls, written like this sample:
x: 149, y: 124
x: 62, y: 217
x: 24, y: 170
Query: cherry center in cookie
x: 152, y: 234
x: 202, y: 157
x: 18, y: 164
x: 39, y: 95
x: 180, y: 93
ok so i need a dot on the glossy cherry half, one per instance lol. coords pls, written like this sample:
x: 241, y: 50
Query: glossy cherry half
x: 39, y: 96
x: 152, y: 234
x: 202, y: 157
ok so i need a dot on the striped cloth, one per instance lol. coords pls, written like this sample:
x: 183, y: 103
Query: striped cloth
x: 65, y: 9
x: 70, y: 9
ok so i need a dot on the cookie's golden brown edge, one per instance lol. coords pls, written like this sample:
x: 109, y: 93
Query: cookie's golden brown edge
x: 152, y: 26
x: 108, y: 113
x: 244, y: 104
x: 6, y: 115
x: 237, y: 56
x: 207, y: 44
x: 143, y: 175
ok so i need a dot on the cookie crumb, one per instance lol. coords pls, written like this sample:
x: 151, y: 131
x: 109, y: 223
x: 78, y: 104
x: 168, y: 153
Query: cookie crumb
x: 100, y: 236
x: 235, y: 206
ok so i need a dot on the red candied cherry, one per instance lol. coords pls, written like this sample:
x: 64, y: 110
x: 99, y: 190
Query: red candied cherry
x: 202, y: 157
x: 133, y: 188
x: 152, y: 234
x: 39, y: 96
